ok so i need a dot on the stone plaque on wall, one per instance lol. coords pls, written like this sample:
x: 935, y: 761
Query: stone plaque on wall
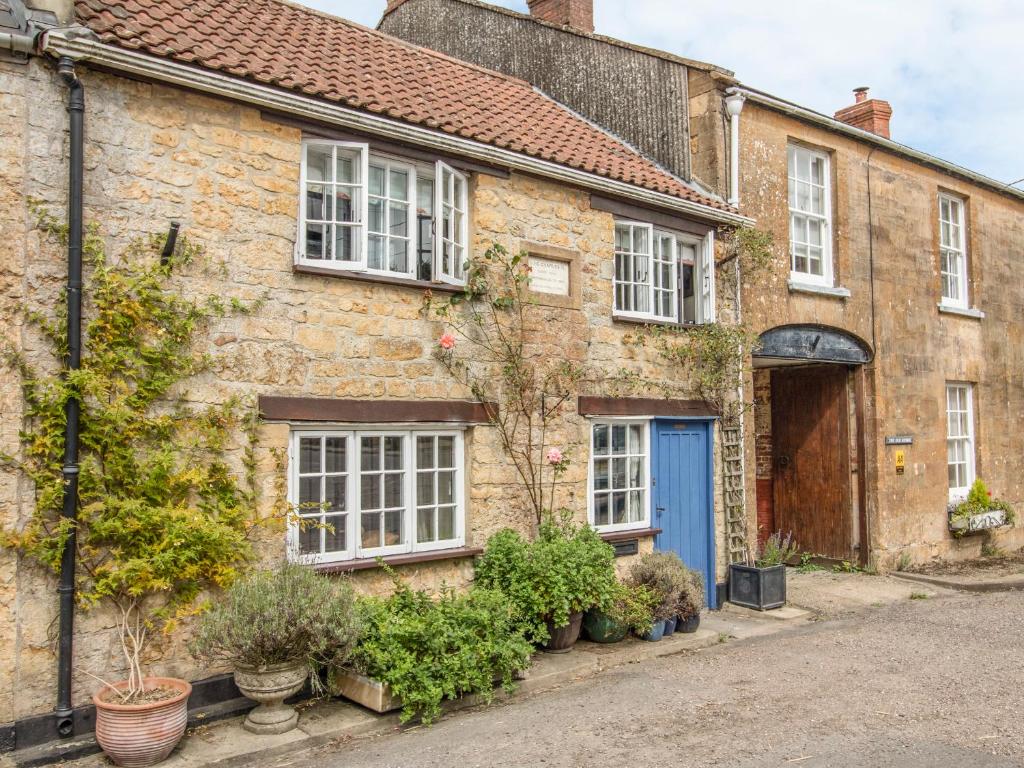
x: 549, y: 276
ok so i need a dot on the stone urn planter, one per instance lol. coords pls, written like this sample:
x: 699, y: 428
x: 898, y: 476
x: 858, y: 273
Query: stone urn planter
x: 270, y: 686
x: 983, y: 521
x: 137, y: 735
x: 564, y: 638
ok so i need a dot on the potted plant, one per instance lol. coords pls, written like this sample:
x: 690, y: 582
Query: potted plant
x: 551, y: 581
x: 690, y: 602
x: 417, y: 650
x: 631, y: 609
x: 277, y: 628
x: 979, y: 512
x: 160, y: 513
x: 762, y: 586
x: 664, y: 574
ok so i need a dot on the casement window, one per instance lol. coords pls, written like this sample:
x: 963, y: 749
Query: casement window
x: 663, y: 276
x: 365, y: 493
x: 810, y: 216
x: 363, y: 212
x: 959, y: 439
x: 619, y: 497
x: 952, y: 251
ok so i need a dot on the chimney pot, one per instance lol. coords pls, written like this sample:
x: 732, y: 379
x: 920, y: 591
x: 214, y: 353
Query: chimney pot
x: 578, y: 14
x: 870, y: 115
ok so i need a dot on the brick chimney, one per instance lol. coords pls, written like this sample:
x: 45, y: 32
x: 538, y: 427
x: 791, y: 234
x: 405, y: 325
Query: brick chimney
x: 867, y: 114
x: 578, y: 14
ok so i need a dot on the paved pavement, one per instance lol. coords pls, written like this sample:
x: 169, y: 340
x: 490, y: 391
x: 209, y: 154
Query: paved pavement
x: 931, y: 681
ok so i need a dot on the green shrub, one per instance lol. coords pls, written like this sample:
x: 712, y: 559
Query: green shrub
x: 691, y: 597
x: 633, y: 606
x: 664, y: 574
x: 284, y: 615
x: 777, y: 549
x: 979, y: 501
x: 429, y: 650
x: 567, y: 569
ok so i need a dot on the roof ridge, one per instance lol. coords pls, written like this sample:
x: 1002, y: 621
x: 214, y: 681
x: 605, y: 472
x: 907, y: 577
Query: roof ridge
x: 392, y: 39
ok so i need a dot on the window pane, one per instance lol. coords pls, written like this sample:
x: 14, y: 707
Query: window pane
x: 375, y: 256
x: 347, y: 204
x: 309, y: 537
x: 636, y: 432
x: 398, y: 255
x: 318, y: 203
x: 636, y: 472
x: 318, y: 163
x: 309, y: 494
x: 425, y: 488
x: 334, y: 493
x: 309, y: 454
x: 393, y: 483
x: 601, y: 509
x: 393, y: 528
x: 601, y: 475
x: 334, y: 453
x: 619, y: 509
x: 424, y: 452
x: 446, y: 523
x: 618, y: 438
x: 376, y: 220
x: 370, y: 450
x: 369, y: 492
x: 371, y: 537
x: 425, y: 525
x: 376, y: 180
x: 348, y: 167
x: 399, y: 189
x: 618, y: 473
x: 445, y: 487
x: 346, y: 246
x: 334, y: 533
x: 393, y: 452
x: 636, y: 506
x: 446, y: 451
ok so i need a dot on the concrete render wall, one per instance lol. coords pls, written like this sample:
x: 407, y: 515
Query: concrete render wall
x: 894, y: 308
x: 156, y: 154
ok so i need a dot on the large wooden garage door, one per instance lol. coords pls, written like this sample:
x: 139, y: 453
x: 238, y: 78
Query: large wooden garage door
x: 810, y: 445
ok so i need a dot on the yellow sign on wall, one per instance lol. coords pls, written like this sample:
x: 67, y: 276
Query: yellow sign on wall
x: 901, y: 462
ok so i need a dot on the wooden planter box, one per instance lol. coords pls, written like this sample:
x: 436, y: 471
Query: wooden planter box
x: 759, y: 588
x: 961, y: 526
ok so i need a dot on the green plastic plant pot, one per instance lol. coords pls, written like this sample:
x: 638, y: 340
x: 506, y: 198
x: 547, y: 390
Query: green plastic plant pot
x: 602, y: 628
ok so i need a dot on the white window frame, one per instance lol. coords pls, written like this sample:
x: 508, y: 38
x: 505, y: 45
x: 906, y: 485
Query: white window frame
x: 458, y: 189
x: 963, y: 301
x: 827, y: 277
x: 353, y: 539
x: 411, y: 253
x: 703, y: 275
x: 645, y: 521
x: 460, y: 184
x: 960, y: 493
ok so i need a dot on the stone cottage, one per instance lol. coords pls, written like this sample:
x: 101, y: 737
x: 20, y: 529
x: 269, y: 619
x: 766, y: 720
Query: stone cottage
x: 890, y: 316
x: 339, y: 174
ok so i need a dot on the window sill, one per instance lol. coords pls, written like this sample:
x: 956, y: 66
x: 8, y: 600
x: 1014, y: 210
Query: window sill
x: 363, y: 277
x: 820, y: 290
x: 411, y: 558
x: 946, y: 309
x: 651, y: 321
x: 639, y: 533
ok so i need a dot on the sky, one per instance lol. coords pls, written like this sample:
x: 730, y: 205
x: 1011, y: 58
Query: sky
x: 952, y: 70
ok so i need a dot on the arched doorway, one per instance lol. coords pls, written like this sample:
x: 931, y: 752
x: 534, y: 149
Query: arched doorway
x: 809, y: 438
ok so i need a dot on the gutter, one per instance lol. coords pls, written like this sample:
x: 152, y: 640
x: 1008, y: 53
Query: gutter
x: 65, y: 43
x: 72, y: 408
x: 817, y: 118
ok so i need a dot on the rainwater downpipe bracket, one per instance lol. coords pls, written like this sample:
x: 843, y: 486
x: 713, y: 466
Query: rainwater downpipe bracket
x: 64, y: 713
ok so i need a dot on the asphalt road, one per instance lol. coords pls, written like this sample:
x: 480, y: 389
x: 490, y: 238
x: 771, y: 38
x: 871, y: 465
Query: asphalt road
x: 936, y: 682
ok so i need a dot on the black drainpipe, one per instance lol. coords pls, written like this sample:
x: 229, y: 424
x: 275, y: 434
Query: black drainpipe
x: 66, y: 590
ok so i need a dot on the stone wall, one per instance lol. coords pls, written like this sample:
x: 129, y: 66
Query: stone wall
x: 156, y: 154
x: 893, y: 307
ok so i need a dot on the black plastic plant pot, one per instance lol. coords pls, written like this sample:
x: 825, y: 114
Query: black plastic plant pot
x: 759, y: 588
x: 688, y: 624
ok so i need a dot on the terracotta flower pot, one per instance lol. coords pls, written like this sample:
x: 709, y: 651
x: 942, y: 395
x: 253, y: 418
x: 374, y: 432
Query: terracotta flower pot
x: 564, y: 638
x: 137, y: 735
x: 270, y: 686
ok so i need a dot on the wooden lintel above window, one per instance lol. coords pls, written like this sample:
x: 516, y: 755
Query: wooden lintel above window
x: 661, y: 219
x: 644, y: 406
x: 422, y: 154
x: 338, y: 411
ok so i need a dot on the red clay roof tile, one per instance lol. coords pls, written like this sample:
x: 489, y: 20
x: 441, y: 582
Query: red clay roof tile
x: 289, y: 46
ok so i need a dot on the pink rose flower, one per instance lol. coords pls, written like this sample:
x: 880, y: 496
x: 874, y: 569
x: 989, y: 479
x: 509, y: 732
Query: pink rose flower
x: 447, y: 341
x: 554, y: 456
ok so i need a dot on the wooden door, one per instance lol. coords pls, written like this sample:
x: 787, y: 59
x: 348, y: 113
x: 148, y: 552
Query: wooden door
x: 684, y: 509
x: 811, y: 458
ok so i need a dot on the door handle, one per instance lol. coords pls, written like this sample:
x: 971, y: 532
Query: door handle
x: 659, y: 510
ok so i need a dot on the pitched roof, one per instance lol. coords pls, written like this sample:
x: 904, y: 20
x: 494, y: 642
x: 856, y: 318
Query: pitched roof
x: 281, y: 44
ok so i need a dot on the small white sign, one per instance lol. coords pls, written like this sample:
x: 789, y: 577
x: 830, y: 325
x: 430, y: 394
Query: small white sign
x: 549, y: 276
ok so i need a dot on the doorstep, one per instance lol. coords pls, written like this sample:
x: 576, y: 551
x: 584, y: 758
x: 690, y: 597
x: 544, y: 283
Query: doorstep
x: 226, y: 745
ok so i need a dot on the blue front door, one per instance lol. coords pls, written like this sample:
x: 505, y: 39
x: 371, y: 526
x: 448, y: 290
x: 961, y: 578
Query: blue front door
x: 683, y: 504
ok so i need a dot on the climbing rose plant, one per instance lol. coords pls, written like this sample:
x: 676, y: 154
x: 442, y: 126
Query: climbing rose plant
x: 488, y: 348
x: 161, y: 514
